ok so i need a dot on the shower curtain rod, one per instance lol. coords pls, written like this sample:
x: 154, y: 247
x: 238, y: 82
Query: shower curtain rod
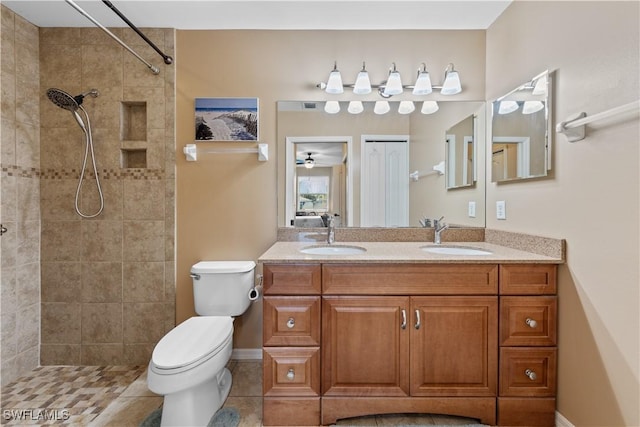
x: 167, y: 59
x: 152, y: 67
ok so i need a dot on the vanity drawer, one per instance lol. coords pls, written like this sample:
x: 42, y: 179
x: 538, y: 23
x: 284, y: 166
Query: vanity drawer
x: 528, y: 279
x: 528, y: 372
x: 528, y: 321
x: 292, y: 279
x: 291, y: 371
x: 409, y: 279
x: 291, y: 320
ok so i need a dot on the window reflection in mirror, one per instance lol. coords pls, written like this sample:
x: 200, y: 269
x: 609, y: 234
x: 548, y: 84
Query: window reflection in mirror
x: 521, y: 131
x: 460, y: 153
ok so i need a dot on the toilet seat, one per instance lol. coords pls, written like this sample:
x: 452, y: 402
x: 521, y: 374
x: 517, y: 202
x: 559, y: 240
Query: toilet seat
x: 190, y: 343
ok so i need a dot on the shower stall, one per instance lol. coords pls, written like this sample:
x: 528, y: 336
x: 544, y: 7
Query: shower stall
x: 97, y: 289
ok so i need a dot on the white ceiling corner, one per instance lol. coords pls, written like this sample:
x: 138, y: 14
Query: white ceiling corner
x: 268, y: 14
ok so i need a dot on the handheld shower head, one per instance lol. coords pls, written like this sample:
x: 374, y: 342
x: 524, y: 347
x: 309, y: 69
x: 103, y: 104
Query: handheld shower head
x: 64, y: 100
x: 71, y: 103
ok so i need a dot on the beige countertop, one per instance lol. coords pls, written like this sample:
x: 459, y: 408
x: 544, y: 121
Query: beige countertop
x: 402, y: 252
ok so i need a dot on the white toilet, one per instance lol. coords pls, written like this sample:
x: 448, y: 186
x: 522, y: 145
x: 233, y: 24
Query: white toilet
x: 188, y: 365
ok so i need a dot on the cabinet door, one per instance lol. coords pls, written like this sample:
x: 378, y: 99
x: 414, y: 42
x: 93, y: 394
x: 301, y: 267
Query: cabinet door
x: 365, y: 346
x: 454, y: 346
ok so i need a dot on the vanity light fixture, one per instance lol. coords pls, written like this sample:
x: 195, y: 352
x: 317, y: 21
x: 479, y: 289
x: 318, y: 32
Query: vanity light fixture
x: 363, y: 84
x: 334, y: 84
x: 423, y: 82
x: 507, y: 107
x: 381, y: 107
x: 451, y: 85
x: 406, y: 107
x: 309, y: 162
x: 394, y: 83
x: 332, y: 107
x: 355, y: 107
x: 531, y: 107
x: 429, y: 107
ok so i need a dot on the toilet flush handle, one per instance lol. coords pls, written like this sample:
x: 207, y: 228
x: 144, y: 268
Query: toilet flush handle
x: 195, y: 276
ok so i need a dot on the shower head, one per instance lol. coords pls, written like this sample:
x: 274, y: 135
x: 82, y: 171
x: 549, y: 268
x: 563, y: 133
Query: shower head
x: 63, y: 100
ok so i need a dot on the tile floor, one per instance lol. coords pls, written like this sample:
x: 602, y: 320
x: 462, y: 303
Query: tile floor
x: 117, y: 396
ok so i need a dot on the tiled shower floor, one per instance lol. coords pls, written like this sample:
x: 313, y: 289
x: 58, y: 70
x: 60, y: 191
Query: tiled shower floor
x: 118, y: 396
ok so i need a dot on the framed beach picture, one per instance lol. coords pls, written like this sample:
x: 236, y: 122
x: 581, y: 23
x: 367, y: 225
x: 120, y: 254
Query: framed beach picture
x: 226, y: 119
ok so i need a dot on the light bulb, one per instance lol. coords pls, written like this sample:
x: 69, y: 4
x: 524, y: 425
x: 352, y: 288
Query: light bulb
x: 406, y: 107
x: 507, y: 107
x: 332, y: 107
x: 423, y: 82
x: 429, y: 107
x: 381, y: 107
x: 355, y: 107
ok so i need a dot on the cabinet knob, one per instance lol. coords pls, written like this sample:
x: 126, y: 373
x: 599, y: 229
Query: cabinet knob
x: 531, y: 322
x: 291, y: 323
x: 531, y: 374
x: 291, y: 374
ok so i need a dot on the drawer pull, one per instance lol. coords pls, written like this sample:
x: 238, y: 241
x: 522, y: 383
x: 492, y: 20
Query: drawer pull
x: 291, y: 374
x: 531, y: 322
x: 291, y: 323
x: 404, y: 319
x: 531, y: 374
x: 417, y: 325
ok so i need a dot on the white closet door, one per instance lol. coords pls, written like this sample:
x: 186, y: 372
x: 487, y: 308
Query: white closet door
x: 385, y: 184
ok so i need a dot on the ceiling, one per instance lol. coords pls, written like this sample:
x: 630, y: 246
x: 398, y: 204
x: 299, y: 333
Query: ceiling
x: 268, y: 14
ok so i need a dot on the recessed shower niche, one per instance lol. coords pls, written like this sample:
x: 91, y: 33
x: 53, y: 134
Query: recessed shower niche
x: 133, y: 134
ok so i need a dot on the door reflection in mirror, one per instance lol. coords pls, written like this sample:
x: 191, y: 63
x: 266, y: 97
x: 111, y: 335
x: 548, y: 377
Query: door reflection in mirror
x: 460, y: 153
x: 521, y: 131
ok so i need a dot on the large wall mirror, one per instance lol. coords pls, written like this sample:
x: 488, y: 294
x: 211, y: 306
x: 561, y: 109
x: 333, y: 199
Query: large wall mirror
x: 521, y: 131
x: 377, y: 170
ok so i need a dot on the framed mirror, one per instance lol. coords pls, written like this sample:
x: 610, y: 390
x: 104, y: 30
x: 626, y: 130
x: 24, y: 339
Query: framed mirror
x: 521, y: 132
x: 460, y: 161
x: 357, y: 186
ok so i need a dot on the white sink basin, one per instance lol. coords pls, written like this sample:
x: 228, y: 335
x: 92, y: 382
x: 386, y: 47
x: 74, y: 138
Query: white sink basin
x: 333, y: 250
x: 454, y: 250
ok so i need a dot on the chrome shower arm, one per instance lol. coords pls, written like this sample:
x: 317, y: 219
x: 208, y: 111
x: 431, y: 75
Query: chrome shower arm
x: 152, y: 67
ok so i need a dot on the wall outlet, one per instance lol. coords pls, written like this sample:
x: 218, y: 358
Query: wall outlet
x: 501, y: 210
x: 472, y: 209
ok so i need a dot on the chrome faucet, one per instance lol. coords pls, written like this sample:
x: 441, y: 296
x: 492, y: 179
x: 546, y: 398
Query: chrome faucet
x: 331, y: 230
x: 438, y: 227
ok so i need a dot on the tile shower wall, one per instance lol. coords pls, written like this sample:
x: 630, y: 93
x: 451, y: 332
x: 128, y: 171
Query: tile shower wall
x: 107, y: 283
x: 20, y: 197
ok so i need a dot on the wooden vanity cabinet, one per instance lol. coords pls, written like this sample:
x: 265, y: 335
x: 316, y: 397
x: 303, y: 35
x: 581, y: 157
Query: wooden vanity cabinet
x: 291, y: 344
x: 346, y: 340
x: 528, y: 340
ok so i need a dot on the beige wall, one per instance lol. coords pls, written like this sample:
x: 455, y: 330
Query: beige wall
x: 592, y: 198
x: 20, y: 200
x: 226, y: 203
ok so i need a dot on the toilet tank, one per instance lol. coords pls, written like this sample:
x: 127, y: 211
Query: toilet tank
x: 221, y: 288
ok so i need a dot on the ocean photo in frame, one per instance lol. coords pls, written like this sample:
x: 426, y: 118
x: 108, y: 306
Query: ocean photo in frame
x: 226, y: 119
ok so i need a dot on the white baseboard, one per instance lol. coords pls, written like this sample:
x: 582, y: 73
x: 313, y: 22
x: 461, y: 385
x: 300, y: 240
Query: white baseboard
x: 562, y: 421
x: 247, y: 354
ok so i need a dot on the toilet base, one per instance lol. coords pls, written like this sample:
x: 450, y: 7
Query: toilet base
x: 195, y: 406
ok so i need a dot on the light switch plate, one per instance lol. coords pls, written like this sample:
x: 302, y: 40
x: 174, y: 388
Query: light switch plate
x: 472, y: 209
x: 501, y: 209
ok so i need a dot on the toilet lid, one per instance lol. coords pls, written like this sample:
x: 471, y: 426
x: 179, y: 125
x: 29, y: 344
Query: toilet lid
x: 192, y: 340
